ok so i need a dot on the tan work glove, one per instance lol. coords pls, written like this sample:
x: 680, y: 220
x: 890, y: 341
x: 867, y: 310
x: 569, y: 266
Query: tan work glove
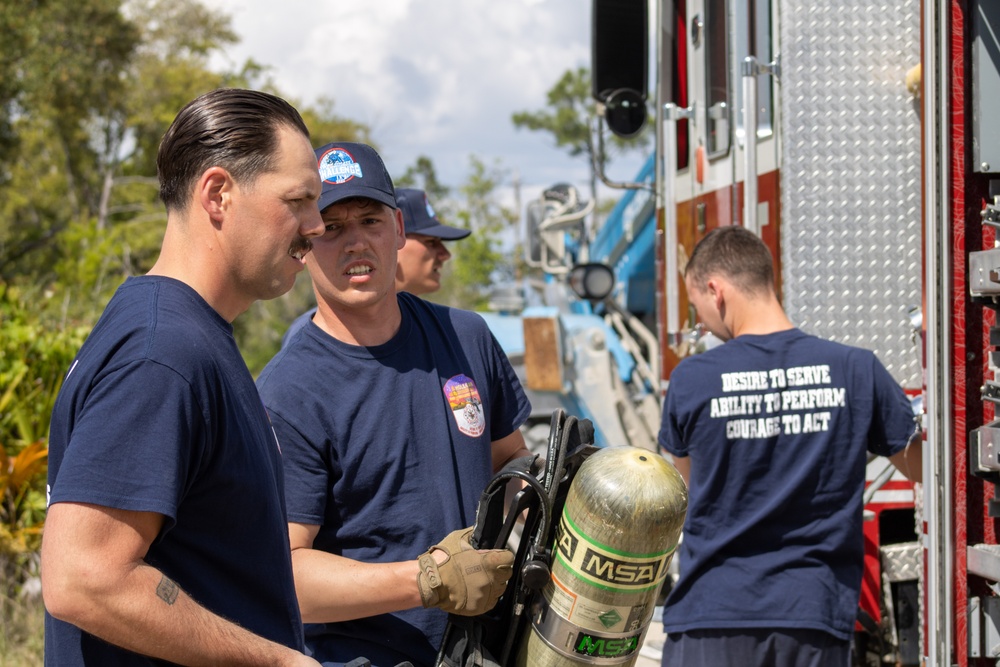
x: 468, y: 582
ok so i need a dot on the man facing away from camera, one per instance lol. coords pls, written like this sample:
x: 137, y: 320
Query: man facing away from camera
x: 771, y: 430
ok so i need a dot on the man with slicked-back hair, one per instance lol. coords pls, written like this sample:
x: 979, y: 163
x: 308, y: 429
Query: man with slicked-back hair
x: 166, y: 539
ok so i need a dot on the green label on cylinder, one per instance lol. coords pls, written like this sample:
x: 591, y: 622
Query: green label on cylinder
x: 601, y: 647
x: 606, y: 567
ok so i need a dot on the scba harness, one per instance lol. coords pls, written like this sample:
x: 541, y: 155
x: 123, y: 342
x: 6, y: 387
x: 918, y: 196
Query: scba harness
x: 492, y: 639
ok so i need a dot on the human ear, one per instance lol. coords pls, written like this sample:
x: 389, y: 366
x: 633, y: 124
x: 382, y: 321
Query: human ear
x: 214, y: 191
x: 716, y: 291
x: 400, y: 230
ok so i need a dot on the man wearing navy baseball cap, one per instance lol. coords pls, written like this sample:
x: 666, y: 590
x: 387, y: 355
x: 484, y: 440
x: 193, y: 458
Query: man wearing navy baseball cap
x: 419, y: 261
x: 392, y: 414
x: 418, y: 270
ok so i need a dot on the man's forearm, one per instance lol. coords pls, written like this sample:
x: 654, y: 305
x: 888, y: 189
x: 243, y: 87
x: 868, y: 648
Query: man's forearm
x: 332, y: 588
x: 910, y: 460
x: 148, y: 613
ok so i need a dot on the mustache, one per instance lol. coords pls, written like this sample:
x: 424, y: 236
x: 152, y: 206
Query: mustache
x: 300, y: 246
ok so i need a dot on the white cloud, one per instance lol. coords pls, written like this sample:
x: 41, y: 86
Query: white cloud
x: 439, y: 78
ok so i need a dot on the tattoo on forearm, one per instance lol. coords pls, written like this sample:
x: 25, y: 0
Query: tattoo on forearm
x: 167, y: 590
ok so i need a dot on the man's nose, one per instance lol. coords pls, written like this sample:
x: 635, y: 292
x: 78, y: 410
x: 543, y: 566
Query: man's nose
x: 313, y: 225
x: 353, y: 238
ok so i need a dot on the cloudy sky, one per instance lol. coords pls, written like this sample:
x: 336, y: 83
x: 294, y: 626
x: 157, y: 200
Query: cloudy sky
x: 439, y: 78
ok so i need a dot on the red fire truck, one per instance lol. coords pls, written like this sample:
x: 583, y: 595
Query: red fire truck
x: 857, y: 139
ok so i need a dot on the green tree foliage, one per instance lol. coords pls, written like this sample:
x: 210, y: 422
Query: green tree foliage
x: 33, y: 360
x: 568, y: 118
x: 479, y: 261
x: 571, y: 117
x: 16, y: 38
x: 325, y: 125
x: 169, y: 68
x: 87, y: 89
x: 423, y: 175
x: 64, y: 79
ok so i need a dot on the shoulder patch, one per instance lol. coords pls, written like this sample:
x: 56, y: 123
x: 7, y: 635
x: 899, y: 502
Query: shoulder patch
x: 466, y: 405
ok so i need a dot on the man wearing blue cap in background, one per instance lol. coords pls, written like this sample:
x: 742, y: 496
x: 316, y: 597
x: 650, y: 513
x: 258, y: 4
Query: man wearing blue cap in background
x: 393, y: 413
x: 418, y: 269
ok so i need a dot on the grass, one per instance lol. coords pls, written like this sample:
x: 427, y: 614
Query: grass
x: 22, y: 632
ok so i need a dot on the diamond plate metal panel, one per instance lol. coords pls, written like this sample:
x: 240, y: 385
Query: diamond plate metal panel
x: 984, y: 560
x: 902, y: 562
x: 851, y: 175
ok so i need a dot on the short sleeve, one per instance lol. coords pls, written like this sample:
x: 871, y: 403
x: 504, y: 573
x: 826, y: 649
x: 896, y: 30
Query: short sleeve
x: 669, y: 438
x: 893, y: 422
x: 307, y: 482
x: 132, y: 448
x: 509, y: 407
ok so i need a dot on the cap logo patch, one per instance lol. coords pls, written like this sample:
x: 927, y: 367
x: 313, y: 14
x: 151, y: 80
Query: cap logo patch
x: 338, y: 166
x: 430, y: 211
x: 466, y: 405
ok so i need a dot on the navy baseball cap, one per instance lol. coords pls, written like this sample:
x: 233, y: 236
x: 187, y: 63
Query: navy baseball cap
x: 350, y: 169
x: 419, y: 218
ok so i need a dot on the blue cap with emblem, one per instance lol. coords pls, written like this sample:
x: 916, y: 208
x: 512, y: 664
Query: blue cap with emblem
x: 419, y: 217
x: 349, y: 169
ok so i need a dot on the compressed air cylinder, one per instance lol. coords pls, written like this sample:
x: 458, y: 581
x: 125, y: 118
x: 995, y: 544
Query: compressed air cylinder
x: 619, y: 528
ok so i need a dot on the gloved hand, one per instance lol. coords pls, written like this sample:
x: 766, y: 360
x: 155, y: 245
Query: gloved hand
x: 468, y: 582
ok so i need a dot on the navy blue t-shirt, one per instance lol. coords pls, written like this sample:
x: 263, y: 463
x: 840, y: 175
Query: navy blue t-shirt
x: 777, y: 428
x: 158, y: 413
x: 297, y: 324
x: 388, y: 449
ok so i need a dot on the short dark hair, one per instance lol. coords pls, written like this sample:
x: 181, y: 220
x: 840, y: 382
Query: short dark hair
x: 360, y: 200
x: 736, y: 253
x: 232, y: 128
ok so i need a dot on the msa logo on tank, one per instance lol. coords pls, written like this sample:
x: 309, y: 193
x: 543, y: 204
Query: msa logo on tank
x: 466, y: 406
x: 338, y: 166
x: 607, y: 568
x: 601, y: 647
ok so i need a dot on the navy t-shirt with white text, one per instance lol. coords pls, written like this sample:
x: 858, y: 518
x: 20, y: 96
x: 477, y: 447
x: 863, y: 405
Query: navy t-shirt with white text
x: 777, y: 428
